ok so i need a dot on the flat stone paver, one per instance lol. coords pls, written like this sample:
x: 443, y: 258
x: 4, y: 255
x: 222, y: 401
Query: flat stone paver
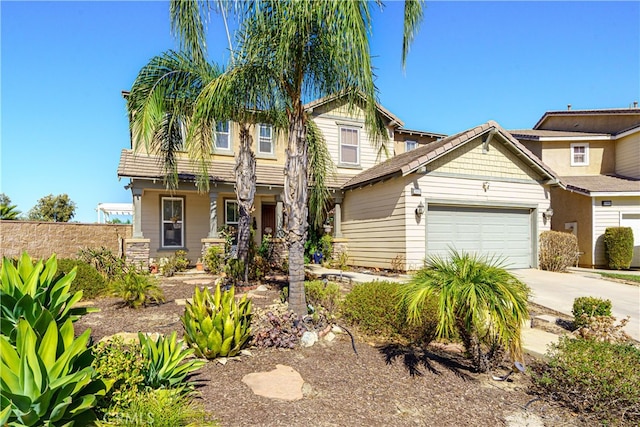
x: 284, y: 383
x: 536, y: 341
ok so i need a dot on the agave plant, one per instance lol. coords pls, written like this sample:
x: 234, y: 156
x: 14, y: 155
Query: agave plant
x: 48, y: 381
x: 27, y: 290
x: 217, y: 325
x: 163, y: 365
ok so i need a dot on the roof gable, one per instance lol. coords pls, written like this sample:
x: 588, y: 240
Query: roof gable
x: 324, y: 103
x: 406, y: 163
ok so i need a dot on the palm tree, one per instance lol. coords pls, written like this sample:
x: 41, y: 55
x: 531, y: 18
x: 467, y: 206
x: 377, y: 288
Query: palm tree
x: 9, y: 212
x: 478, y: 300
x: 305, y: 50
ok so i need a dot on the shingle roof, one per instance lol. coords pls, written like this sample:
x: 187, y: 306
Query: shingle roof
x: 602, y: 184
x: 408, y: 162
x: 538, y: 133
x: 143, y: 166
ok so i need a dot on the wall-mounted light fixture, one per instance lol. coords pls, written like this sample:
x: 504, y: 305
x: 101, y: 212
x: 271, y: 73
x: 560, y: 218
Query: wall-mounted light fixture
x: 547, y: 214
x: 485, y: 186
x: 420, y: 209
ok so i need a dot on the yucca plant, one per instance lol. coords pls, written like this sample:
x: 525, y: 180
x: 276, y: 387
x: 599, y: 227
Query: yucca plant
x: 478, y: 301
x: 163, y: 362
x: 48, y: 380
x: 28, y: 289
x: 217, y: 325
x: 137, y: 289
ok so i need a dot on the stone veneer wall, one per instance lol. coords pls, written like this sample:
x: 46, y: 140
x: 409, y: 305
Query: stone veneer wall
x: 41, y: 239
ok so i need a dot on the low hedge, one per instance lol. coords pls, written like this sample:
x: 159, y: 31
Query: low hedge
x: 618, y: 247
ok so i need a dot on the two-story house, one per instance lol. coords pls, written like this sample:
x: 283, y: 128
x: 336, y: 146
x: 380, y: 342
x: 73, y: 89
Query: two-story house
x: 596, y: 153
x: 479, y: 190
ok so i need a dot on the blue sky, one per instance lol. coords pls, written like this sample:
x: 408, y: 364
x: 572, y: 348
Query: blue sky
x: 64, y: 65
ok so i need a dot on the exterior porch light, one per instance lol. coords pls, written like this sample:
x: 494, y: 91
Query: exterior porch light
x: 547, y: 214
x: 420, y: 209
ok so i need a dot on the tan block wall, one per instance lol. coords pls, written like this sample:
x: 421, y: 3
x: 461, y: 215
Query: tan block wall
x: 41, y: 239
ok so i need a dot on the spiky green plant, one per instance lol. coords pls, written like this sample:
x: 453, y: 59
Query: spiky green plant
x: 137, y: 289
x: 27, y: 290
x: 217, y: 325
x: 48, y: 380
x: 164, y: 363
x: 478, y: 300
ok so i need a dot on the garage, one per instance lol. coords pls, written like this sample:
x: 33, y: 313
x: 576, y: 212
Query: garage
x: 503, y: 232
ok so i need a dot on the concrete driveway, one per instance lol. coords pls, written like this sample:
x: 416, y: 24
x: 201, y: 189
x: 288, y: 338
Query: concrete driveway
x: 558, y: 290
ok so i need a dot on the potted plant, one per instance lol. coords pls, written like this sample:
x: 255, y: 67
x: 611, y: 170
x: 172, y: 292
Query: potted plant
x: 199, y: 265
x: 153, y: 266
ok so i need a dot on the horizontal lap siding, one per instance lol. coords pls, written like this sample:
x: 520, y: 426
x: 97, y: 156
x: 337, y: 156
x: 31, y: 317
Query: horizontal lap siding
x: 609, y: 216
x: 196, y: 223
x: 373, y: 222
x: 627, y: 155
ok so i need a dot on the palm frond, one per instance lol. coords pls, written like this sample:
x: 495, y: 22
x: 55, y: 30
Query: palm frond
x: 321, y: 168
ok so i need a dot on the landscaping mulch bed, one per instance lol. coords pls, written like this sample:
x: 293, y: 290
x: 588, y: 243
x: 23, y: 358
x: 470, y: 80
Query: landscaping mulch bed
x: 381, y: 385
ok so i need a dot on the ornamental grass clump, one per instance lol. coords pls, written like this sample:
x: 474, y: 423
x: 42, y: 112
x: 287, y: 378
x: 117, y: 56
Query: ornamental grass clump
x: 478, y: 300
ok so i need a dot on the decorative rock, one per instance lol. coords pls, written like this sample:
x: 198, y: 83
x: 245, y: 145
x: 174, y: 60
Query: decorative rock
x: 337, y: 329
x: 283, y: 383
x: 308, y: 339
x: 262, y: 288
x: 182, y: 301
x: 246, y: 352
x: 330, y: 336
x: 222, y: 360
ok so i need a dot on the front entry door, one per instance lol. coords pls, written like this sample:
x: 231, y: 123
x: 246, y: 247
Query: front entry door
x: 268, y: 220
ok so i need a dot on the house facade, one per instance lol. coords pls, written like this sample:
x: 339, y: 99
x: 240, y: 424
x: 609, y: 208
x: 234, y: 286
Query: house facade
x: 596, y: 154
x: 480, y: 190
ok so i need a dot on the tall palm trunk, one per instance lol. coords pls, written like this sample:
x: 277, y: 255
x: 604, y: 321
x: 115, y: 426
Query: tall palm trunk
x: 245, y: 171
x: 295, y: 198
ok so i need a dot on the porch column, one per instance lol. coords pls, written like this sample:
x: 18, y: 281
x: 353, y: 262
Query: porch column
x: 137, y: 213
x: 337, y: 217
x: 213, y: 215
x: 279, y: 217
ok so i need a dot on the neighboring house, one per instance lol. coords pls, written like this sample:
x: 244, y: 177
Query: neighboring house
x: 480, y: 190
x: 596, y: 153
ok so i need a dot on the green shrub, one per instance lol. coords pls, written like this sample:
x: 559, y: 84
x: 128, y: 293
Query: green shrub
x: 137, y: 289
x: 164, y: 361
x: 88, y: 279
x: 104, y: 261
x: 181, y: 261
x: 36, y: 293
x: 596, y: 378
x: 217, y: 325
x: 213, y: 259
x: 321, y: 294
x: 590, y: 307
x: 558, y: 250
x: 325, y: 245
x: 160, y: 408
x: 122, y: 364
x: 376, y: 309
x: 618, y: 247
x: 48, y: 380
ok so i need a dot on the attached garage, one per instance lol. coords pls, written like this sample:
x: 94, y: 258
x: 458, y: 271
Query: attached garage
x: 487, y: 231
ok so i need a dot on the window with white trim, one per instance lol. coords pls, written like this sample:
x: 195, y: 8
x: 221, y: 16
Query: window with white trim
x: 265, y: 139
x: 172, y: 232
x: 579, y: 154
x: 231, y: 212
x: 410, y: 145
x: 349, y: 145
x: 223, y: 136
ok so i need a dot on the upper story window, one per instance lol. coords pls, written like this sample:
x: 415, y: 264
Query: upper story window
x: 579, y: 154
x: 410, y: 145
x: 265, y: 139
x: 172, y: 232
x: 223, y: 136
x: 349, y: 146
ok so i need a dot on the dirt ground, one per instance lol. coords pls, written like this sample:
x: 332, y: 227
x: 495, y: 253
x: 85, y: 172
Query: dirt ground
x: 381, y: 385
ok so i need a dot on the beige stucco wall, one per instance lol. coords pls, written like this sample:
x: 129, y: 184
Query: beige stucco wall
x: 379, y: 221
x: 41, y: 239
x: 571, y: 207
x: 557, y: 155
x: 399, y: 141
x: 628, y: 155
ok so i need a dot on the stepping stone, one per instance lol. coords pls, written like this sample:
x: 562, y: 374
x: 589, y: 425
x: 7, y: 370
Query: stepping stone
x: 182, y: 301
x: 283, y: 383
x: 198, y: 281
x: 546, y: 318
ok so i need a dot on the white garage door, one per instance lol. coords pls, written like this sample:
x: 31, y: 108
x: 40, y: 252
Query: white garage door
x: 633, y: 220
x: 486, y: 231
